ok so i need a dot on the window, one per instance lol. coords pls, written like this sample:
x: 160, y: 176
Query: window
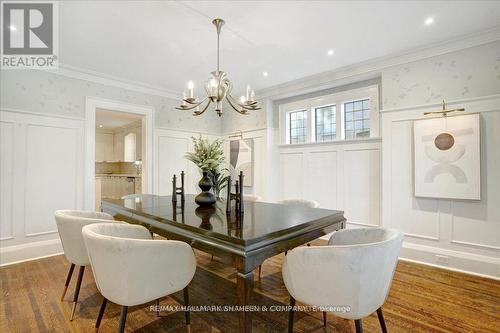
x: 349, y: 114
x: 357, y: 119
x: 298, y: 126
x: 326, y: 123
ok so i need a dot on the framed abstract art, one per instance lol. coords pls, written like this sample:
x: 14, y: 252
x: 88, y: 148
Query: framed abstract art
x: 447, y: 157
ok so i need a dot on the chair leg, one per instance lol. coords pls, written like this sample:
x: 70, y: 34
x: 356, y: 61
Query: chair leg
x: 186, y: 309
x: 290, y: 315
x: 101, y: 313
x: 381, y: 320
x: 359, y: 326
x: 77, y: 291
x: 260, y: 270
x: 68, y: 279
x: 123, y: 319
x: 324, y: 318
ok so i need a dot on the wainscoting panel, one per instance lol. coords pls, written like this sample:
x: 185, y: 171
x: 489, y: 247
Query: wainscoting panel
x: 362, y: 186
x: 416, y: 217
x: 41, y: 172
x: 477, y: 223
x: 6, y: 175
x: 51, y: 175
x: 459, y: 234
x: 292, y: 175
x: 339, y: 175
x: 171, y: 161
x: 170, y: 148
x: 322, y: 185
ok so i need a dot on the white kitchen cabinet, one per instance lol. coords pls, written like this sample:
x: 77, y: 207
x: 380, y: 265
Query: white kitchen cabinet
x: 116, y: 187
x: 129, y: 150
x: 118, y: 146
x: 104, y: 150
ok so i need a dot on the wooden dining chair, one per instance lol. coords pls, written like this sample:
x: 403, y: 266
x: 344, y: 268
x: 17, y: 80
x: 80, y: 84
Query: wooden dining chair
x: 132, y: 269
x: 355, y: 271
x: 69, y: 225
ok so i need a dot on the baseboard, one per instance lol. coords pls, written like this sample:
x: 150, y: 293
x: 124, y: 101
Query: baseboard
x: 18, y: 253
x: 458, y: 261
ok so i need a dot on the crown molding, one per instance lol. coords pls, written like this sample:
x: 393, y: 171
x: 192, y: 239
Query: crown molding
x: 366, y: 70
x: 372, y: 68
x: 114, y: 81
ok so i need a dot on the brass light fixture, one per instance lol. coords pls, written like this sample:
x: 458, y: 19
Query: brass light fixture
x: 218, y: 88
x: 444, y: 111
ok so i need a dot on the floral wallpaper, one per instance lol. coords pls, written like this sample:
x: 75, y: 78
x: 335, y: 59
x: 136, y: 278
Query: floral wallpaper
x: 463, y: 74
x: 47, y: 92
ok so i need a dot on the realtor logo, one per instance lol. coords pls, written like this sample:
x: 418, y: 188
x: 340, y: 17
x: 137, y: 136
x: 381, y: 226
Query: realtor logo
x: 29, y: 35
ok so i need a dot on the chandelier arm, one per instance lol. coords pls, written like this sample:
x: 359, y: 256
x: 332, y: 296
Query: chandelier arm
x: 234, y: 107
x: 245, y: 107
x: 197, y: 113
x: 190, y: 107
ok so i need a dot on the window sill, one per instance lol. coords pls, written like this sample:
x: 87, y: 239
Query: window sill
x: 330, y: 143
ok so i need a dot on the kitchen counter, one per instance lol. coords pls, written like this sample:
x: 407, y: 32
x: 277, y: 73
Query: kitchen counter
x: 100, y: 175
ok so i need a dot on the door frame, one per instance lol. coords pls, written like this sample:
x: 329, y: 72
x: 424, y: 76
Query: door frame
x: 91, y: 104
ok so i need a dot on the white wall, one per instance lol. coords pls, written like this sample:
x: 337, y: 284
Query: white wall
x: 170, y: 148
x: 41, y: 171
x: 342, y: 175
x: 42, y: 150
x: 461, y: 235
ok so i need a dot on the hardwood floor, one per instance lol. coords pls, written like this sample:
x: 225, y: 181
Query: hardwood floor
x: 422, y: 299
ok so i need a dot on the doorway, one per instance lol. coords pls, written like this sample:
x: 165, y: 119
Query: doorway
x: 118, y: 150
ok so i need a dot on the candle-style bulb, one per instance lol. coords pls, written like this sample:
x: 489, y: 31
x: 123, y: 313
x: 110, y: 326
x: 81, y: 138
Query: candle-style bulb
x: 190, y: 86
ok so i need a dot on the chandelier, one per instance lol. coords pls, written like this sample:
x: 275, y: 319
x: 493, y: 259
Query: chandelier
x: 218, y: 87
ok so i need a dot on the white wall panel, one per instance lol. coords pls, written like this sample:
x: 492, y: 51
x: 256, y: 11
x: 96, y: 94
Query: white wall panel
x: 461, y: 234
x: 170, y: 148
x: 322, y: 184
x: 343, y: 175
x: 417, y: 217
x: 362, y: 186
x: 292, y: 175
x: 51, y: 175
x: 478, y: 222
x: 6, y: 179
x: 170, y: 157
x: 41, y: 171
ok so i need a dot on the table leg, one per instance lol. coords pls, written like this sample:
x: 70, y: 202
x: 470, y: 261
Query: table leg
x: 245, y: 286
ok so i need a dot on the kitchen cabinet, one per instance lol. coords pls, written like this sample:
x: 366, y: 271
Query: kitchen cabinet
x: 129, y: 150
x: 124, y: 145
x: 118, y: 146
x: 114, y: 187
x: 104, y: 151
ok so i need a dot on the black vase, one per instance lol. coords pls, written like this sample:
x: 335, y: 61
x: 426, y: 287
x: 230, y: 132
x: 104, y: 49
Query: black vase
x: 205, y: 198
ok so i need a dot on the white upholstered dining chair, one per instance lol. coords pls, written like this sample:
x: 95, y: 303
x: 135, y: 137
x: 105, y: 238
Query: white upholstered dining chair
x: 132, y: 269
x: 354, y: 270
x: 69, y: 225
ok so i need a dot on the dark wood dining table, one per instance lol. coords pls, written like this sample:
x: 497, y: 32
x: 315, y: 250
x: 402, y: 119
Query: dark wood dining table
x: 243, y: 240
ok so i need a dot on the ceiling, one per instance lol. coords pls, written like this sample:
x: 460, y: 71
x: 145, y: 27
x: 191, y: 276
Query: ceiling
x: 111, y: 120
x: 168, y: 43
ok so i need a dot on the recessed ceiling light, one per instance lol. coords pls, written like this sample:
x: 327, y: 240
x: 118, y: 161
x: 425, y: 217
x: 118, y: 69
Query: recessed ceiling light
x: 265, y: 73
x: 331, y: 52
x: 100, y: 126
x: 429, y: 21
x: 12, y: 27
